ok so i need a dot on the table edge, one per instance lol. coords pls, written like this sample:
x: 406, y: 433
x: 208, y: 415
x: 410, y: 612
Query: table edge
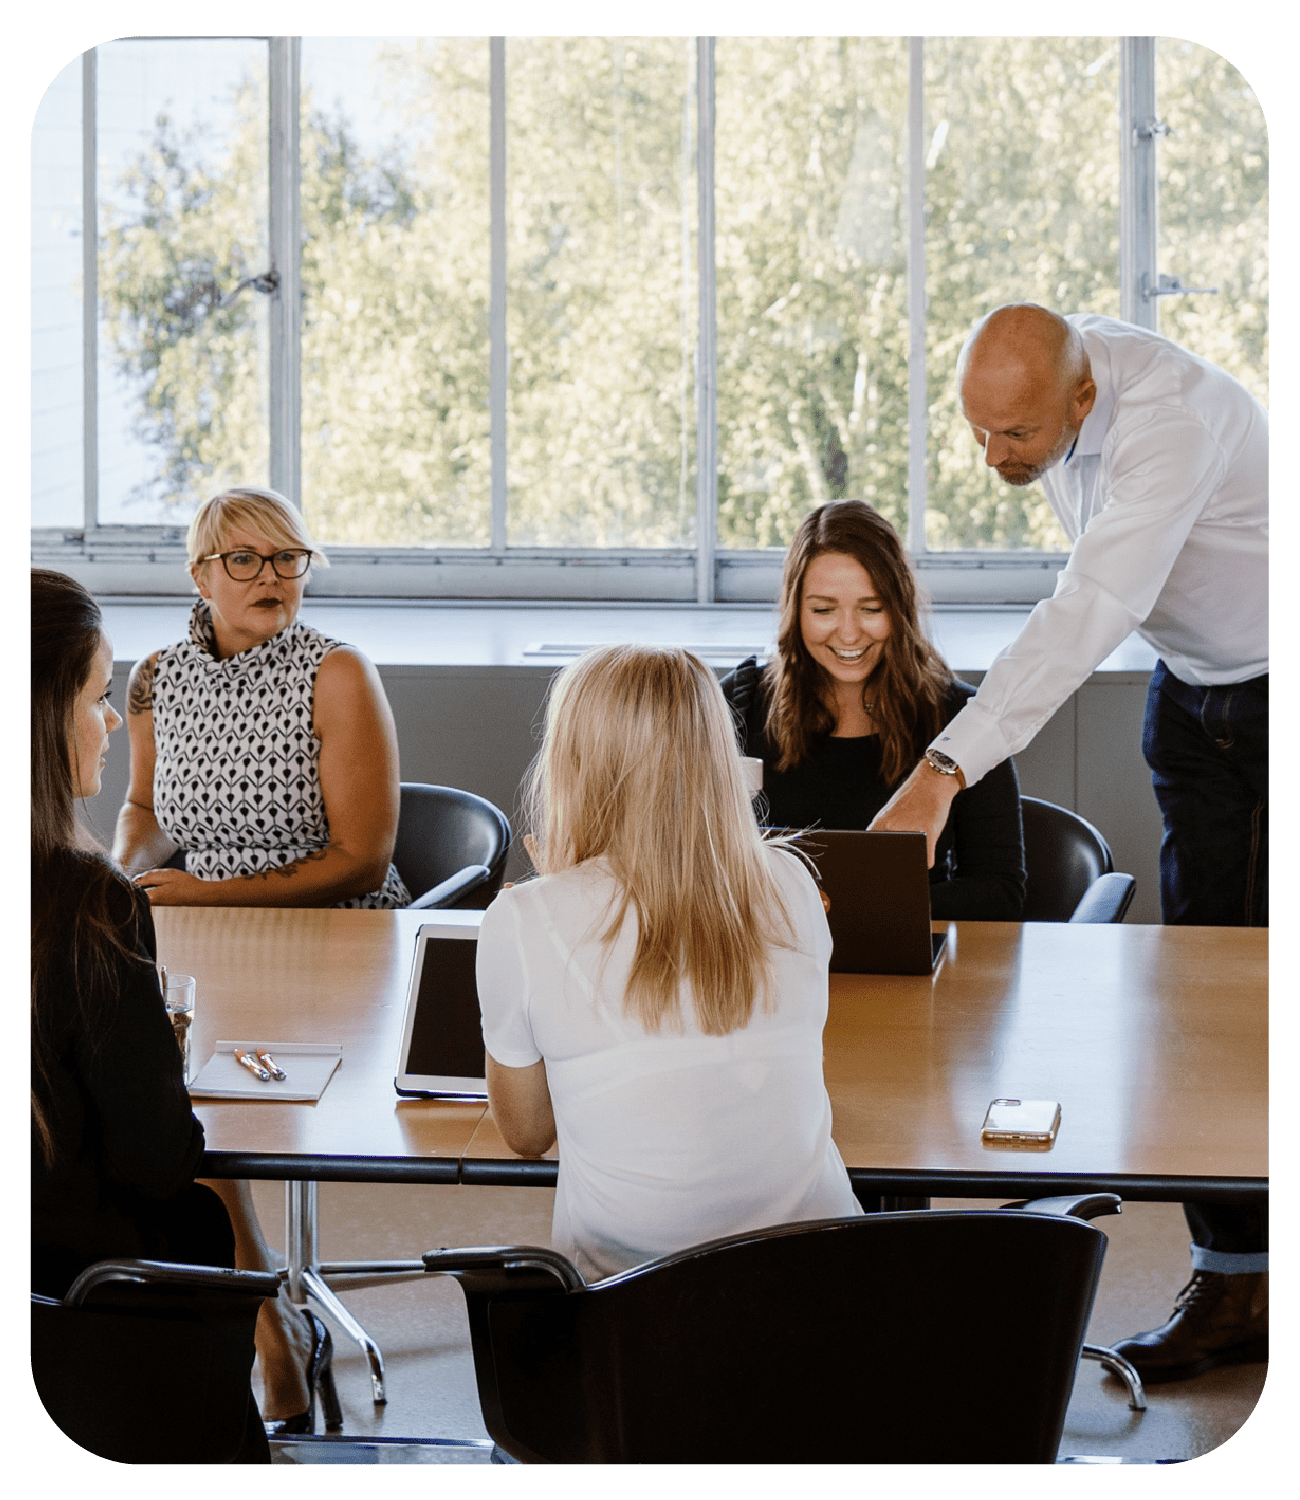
x: 532, y: 1172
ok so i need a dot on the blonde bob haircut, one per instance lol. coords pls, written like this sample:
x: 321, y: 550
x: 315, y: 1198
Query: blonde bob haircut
x: 639, y: 766
x: 247, y: 509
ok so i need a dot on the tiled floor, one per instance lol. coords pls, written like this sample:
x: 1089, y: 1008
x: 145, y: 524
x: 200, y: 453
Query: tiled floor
x: 421, y: 1327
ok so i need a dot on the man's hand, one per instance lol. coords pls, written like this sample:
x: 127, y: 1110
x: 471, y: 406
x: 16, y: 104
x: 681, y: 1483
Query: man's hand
x: 921, y: 805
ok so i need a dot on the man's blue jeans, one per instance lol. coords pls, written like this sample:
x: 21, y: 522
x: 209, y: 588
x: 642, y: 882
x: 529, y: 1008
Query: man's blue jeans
x: 1208, y: 752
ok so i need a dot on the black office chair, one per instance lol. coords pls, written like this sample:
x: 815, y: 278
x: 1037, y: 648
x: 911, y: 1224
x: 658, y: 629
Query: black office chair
x: 451, y: 847
x: 1070, y: 871
x: 890, y: 1338
x: 149, y: 1361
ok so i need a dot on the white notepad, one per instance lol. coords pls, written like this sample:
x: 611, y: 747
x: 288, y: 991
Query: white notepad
x: 309, y: 1066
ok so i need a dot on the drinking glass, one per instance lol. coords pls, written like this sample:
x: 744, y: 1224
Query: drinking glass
x: 179, y: 999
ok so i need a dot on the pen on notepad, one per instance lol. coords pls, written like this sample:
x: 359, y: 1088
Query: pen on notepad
x: 247, y: 1060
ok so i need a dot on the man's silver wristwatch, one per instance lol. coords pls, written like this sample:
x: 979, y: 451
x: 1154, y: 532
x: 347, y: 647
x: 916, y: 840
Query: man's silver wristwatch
x: 944, y: 764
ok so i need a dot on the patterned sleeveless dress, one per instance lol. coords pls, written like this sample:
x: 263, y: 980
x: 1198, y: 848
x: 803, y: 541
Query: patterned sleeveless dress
x: 237, y: 775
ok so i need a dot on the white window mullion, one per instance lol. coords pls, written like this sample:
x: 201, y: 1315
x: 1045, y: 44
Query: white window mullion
x: 89, y: 294
x: 499, y: 354
x: 706, y: 365
x: 1139, y: 129
x: 284, y: 230
x: 918, y: 403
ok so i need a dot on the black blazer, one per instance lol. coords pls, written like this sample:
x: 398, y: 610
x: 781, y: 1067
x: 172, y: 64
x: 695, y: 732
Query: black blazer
x: 126, y: 1141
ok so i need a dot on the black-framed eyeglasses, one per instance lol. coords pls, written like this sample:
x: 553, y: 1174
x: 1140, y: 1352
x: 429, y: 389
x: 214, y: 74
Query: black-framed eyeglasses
x: 244, y: 565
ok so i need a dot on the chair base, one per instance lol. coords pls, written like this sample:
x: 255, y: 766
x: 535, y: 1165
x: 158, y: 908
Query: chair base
x: 1120, y: 1367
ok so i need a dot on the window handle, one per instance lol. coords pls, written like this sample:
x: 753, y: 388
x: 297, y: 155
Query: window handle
x: 1150, y: 128
x: 266, y: 283
x: 1172, y: 286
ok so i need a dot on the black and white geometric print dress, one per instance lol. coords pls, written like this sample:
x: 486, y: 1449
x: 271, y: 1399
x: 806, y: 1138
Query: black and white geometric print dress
x: 237, y: 774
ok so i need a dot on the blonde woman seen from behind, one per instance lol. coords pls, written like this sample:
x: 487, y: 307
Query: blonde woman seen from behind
x: 656, y: 999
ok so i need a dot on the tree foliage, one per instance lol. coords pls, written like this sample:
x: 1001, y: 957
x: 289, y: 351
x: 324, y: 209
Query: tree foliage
x: 178, y: 234
x: 811, y: 209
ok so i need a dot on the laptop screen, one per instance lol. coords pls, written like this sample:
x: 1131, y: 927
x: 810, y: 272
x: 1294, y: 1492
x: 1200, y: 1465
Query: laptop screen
x: 876, y: 887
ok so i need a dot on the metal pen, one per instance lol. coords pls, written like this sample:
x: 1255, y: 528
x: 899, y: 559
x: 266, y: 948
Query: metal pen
x: 247, y: 1060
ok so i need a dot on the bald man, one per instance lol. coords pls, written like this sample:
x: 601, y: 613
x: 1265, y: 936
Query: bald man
x: 1156, y: 464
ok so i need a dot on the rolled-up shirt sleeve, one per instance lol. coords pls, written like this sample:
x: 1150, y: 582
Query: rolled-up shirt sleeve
x: 1159, y: 475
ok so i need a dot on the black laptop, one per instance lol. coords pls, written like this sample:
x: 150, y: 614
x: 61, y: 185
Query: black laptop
x: 878, y: 887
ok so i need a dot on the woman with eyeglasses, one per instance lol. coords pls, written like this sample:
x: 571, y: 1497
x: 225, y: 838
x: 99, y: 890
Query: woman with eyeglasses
x: 262, y: 748
x: 267, y: 752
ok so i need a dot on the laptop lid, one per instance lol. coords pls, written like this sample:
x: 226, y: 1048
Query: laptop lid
x: 441, y: 1055
x: 878, y: 887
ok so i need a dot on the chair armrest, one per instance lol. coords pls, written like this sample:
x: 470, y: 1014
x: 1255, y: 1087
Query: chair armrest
x: 1106, y: 899
x: 508, y: 1262
x: 1072, y: 1206
x: 453, y: 888
x: 169, y: 1273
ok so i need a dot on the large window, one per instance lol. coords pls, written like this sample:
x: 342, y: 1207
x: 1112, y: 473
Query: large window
x: 601, y: 316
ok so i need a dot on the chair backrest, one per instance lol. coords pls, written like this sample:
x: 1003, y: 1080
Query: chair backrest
x: 150, y: 1374
x: 440, y: 830
x: 890, y: 1338
x: 1064, y: 855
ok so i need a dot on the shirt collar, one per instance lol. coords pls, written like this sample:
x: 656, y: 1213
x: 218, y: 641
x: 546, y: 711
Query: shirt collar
x: 203, y: 633
x: 1093, y: 432
x: 203, y: 636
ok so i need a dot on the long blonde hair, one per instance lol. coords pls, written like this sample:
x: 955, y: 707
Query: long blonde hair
x: 639, y: 766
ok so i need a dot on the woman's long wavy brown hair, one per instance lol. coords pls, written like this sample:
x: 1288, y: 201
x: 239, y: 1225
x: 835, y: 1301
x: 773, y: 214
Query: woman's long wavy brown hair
x: 639, y: 766
x: 67, y: 628
x: 909, y: 686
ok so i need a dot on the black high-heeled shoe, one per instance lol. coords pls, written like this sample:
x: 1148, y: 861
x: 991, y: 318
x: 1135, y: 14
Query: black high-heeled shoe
x: 320, y: 1375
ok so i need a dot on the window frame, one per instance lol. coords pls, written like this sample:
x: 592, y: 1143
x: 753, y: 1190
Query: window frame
x: 149, y: 559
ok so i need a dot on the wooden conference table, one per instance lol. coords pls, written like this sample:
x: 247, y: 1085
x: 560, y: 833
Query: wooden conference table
x: 1153, y: 1040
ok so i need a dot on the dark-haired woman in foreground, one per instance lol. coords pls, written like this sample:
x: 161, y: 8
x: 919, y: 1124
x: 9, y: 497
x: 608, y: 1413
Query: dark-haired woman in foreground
x: 115, y: 1144
x: 843, y: 712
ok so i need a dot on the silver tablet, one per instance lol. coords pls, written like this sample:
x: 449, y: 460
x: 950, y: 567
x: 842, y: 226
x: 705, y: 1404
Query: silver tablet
x: 441, y: 1055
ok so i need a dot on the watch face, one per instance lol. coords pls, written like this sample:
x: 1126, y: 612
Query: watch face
x: 942, y: 762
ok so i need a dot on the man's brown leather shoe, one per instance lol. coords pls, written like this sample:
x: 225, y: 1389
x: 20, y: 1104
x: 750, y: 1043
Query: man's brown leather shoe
x: 1217, y: 1320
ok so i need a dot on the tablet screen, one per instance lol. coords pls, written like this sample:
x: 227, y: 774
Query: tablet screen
x: 442, y: 1042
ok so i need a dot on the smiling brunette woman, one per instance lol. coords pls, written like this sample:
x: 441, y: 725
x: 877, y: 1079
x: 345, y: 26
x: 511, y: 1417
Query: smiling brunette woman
x: 843, y: 712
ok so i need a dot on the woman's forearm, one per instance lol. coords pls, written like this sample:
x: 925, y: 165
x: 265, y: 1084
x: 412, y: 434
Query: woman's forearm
x: 322, y: 878
x: 520, y: 1100
x: 138, y: 841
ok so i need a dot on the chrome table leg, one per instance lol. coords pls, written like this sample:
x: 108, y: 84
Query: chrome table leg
x: 301, y: 1237
x: 1119, y: 1366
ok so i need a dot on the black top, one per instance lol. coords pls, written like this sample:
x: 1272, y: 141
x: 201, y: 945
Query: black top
x: 979, y: 866
x: 126, y: 1141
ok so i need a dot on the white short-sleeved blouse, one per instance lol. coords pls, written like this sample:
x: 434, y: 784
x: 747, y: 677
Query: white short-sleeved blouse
x: 666, y: 1140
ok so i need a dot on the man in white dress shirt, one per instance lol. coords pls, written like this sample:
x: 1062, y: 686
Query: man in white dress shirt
x: 1156, y: 464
